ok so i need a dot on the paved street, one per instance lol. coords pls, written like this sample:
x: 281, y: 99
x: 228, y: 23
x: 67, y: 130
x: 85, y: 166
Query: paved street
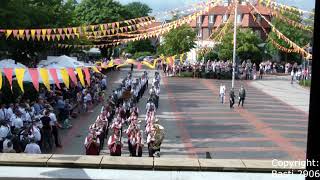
x: 198, y: 125
x: 266, y: 128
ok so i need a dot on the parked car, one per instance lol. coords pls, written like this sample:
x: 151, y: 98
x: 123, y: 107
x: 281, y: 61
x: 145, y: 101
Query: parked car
x: 140, y: 58
x: 148, y: 58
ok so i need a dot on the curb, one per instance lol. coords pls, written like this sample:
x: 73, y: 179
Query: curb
x: 145, y: 163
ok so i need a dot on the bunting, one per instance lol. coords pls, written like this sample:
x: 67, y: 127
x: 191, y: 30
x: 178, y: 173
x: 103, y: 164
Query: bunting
x: 8, y: 73
x: 19, y: 75
x: 54, y: 75
x: 87, y: 74
x: 72, y: 76
x: 34, y: 74
x: 65, y: 77
x: 45, y: 77
x: 80, y: 75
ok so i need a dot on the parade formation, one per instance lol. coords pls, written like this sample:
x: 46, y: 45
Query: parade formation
x: 120, y: 117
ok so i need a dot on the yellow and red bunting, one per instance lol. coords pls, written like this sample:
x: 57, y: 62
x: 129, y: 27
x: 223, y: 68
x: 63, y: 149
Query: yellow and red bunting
x: 54, y: 75
x: 45, y: 77
x: 8, y: 73
x: 20, y: 75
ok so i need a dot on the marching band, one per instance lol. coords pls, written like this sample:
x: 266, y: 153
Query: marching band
x: 119, y: 117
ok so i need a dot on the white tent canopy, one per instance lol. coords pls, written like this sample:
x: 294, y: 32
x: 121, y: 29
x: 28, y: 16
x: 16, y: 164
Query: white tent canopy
x: 61, y: 62
x: 10, y: 63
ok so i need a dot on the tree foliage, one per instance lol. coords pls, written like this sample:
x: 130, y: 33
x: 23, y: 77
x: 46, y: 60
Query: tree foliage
x: 100, y: 11
x: 178, y: 41
x: 247, y: 46
x: 299, y: 36
x: 22, y: 14
x: 139, y: 46
x: 138, y: 9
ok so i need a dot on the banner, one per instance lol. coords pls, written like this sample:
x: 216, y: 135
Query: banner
x: 54, y: 75
x: 80, y: 75
x: 19, y: 75
x: 95, y: 69
x: 87, y: 74
x: 8, y: 72
x: 45, y: 77
x: 65, y: 77
x: 34, y: 74
x: 72, y: 76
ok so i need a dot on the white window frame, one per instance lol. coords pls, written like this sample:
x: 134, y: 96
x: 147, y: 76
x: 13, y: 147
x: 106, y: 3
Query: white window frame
x: 199, y: 20
x: 211, y: 19
x: 199, y: 34
x: 225, y: 18
x: 239, y: 18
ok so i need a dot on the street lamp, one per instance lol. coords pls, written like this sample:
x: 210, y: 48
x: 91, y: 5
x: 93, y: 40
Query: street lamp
x: 234, y: 41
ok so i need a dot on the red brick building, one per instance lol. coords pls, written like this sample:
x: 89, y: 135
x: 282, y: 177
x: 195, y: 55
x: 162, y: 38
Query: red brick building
x: 205, y: 24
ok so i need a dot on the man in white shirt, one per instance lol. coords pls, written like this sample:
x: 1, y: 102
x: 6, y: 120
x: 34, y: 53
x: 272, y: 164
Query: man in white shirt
x: 17, y: 121
x: 222, y: 92
x: 54, y: 125
x: 32, y: 147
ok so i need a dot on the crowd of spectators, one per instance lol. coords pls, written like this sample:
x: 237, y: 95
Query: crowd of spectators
x: 223, y: 69
x: 33, y: 126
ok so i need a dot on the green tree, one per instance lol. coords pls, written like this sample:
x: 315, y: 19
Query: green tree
x: 138, y: 9
x: 211, y: 55
x: 178, y: 41
x: 100, y: 11
x: 139, y: 46
x: 247, y: 46
x: 24, y: 14
x: 297, y: 35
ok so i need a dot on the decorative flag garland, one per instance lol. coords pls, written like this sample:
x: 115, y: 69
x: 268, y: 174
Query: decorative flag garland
x: 75, y: 32
x: 299, y: 50
x: 45, y: 74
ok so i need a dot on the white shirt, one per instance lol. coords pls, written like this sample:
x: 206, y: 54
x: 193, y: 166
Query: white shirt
x: 5, y: 146
x: 4, y: 131
x: 87, y: 98
x: 3, y: 114
x: 36, y: 133
x: 32, y: 148
x: 17, y: 122
x: 26, y: 117
x: 10, y: 112
x: 222, y: 89
x: 53, y: 118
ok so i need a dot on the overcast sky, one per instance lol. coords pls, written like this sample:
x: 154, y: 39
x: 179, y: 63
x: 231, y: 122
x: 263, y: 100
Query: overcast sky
x: 160, y: 5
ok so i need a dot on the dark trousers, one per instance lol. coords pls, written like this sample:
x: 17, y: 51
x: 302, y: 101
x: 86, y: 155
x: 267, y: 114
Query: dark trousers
x: 55, y: 135
x: 241, y: 100
x: 130, y: 148
x: 231, y: 102
x: 139, y: 151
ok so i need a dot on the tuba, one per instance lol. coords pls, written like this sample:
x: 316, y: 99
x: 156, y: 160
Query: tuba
x: 159, y: 136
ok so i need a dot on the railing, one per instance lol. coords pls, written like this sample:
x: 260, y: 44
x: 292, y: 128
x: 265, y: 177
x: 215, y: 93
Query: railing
x: 144, y: 163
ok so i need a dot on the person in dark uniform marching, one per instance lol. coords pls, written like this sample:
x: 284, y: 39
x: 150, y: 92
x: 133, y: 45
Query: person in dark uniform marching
x: 232, y: 96
x: 242, y: 95
x: 131, y: 67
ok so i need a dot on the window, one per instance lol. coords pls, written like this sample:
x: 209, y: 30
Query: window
x: 199, y: 20
x: 225, y: 18
x: 199, y: 33
x: 226, y: 2
x: 211, y: 19
x: 258, y: 18
x: 239, y: 18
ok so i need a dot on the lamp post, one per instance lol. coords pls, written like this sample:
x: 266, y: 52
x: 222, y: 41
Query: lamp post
x: 234, y: 41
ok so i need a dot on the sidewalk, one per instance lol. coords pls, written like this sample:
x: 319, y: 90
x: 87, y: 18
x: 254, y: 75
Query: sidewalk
x: 292, y: 94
